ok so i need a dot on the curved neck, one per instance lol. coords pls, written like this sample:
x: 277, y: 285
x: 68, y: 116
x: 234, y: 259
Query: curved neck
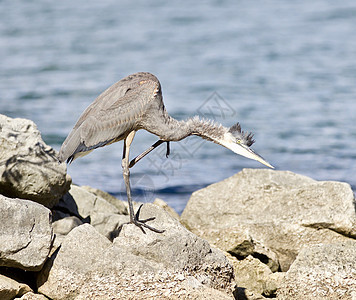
x: 170, y: 129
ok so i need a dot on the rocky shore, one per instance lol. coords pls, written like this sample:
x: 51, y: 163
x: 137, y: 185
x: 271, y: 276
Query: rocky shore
x: 258, y: 234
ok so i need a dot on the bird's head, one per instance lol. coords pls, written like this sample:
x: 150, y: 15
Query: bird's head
x: 240, y: 142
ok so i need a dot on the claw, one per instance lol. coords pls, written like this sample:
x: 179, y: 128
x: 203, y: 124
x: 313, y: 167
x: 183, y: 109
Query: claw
x: 139, y: 223
x: 137, y: 215
x: 142, y: 223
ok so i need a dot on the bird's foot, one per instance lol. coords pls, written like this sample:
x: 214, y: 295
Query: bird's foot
x: 142, y: 223
x: 139, y: 223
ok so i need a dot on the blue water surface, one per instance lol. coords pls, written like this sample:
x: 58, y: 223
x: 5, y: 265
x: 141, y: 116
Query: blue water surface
x: 286, y: 70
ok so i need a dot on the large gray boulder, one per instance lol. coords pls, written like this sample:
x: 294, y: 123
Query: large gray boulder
x: 322, y: 272
x: 173, y: 264
x: 25, y: 234
x: 176, y: 249
x: 278, y: 210
x: 28, y: 167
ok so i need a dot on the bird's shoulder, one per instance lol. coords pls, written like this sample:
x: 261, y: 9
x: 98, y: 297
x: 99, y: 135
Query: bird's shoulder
x: 128, y: 95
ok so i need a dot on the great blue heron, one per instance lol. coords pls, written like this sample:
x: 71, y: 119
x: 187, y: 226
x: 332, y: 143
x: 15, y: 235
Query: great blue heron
x: 134, y: 103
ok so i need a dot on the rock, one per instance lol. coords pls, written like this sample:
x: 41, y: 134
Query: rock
x: 272, y: 284
x: 105, y: 214
x: 281, y: 239
x: 166, y: 207
x: 10, y: 288
x: 239, y: 244
x: 137, y: 266
x: 273, y: 208
x: 119, y: 204
x: 100, y: 209
x: 25, y: 234
x: 61, y: 228
x: 66, y: 270
x: 108, y: 224
x: 82, y: 203
x: 32, y: 296
x: 324, y: 271
x: 65, y: 225
x: 245, y: 294
x: 176, y: 248
x: 251, y: 274
x: 29, y: 168
x: 87, y: 204
x: 254, y: 278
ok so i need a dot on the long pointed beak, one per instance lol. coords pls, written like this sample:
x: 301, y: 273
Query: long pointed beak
x: 249, y: 153
x: 246, y: 152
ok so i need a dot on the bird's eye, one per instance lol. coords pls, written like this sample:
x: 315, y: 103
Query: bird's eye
x: 238, y: 141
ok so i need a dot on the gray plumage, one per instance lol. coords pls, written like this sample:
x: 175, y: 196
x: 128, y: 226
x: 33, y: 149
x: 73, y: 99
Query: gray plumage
x: 134, y: 103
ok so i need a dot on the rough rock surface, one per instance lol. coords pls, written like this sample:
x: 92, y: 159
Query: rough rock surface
x: 61, y: 228
x: 119, y: 204
x: 252, y: 274
x: 176, y: 248
x: 161, y: 203
x: 246, y: 294
x: 137, y: 266
x: 254, y: 277
x: 83, y: 203
x: 100, y: 209
x: 25, y: 233
x: 32, y: 296
x: 280, y: 210
x: 272, y: 284
x: 65, y: 225
x: 239, y: 243
x: 107, y: 224
x: 322, y: 272
x: 28, y: 167
x: 9, y: 288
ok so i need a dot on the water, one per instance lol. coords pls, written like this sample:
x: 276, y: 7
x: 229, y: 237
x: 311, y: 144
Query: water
x: 285, y: 69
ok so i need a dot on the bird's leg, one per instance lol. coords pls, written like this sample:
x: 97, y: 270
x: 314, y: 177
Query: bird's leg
x: 168, y: 150
x: 143, y: 154
x: 134, y: 218
x: 126, y: 172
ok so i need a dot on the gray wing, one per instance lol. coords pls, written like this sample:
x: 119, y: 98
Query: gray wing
x: 112, y: 115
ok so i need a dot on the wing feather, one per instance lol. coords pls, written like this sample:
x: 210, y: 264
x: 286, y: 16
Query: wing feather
x: 111, y: 116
